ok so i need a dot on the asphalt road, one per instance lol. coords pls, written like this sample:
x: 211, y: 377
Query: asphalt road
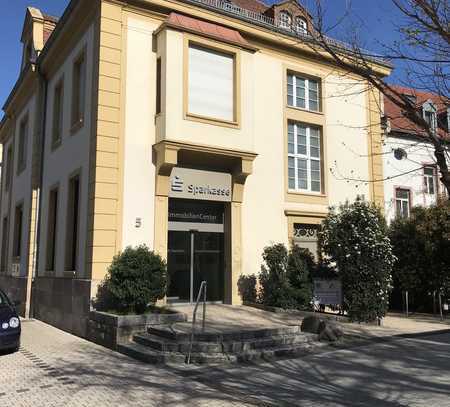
x: 54, y: 368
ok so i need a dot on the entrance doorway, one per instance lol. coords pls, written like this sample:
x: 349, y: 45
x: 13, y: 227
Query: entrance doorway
x: 195, y: 250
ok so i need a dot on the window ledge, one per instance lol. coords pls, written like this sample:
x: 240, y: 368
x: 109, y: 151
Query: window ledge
x: 55, y: 144
x: 301, y: 109
x: 76, y: 126
x: 307, y: 193
x: 212, y: 121
x: 69, y: 274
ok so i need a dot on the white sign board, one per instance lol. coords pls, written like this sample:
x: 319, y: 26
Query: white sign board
x: 196, y: 184
x: 328, y: 292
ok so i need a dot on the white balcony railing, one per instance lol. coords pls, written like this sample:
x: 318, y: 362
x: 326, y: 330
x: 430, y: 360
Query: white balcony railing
x: 257, y: 18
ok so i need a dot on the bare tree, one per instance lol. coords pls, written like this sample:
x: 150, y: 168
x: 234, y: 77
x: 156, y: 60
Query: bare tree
x: 424, y: 48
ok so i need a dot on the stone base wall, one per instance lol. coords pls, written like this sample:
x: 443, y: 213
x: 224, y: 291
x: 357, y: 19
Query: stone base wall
x: 16, y: 289
x: 63, y: 303
x: 110, y: 330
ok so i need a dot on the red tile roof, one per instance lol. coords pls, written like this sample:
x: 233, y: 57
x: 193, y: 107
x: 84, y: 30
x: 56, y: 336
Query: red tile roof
x: 251, y: 5
x: 206, y: 28
x: 400, y: 123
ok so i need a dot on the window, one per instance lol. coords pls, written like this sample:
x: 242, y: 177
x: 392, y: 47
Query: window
x: 430, y: 119
x: 9, y: 168
x: 51, y: 228
x: 57, y: 114
x: 211, y: 86
x: 72, y: 224
x: 78, y: 90
x: 23, y: 141
x: 306, y: 237
x: 304, y: 158
x: 429, y: 178
x: 18, y: 221
x: 301, y: 25
x: 303, y: 93
x: 5, y: 230
x: 402, y: 202
x: 285, y: 20
x: 158, y: 86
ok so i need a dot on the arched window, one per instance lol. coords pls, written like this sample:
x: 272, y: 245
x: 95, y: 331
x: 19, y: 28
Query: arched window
x: 301, y: 25
x: 285, y: 19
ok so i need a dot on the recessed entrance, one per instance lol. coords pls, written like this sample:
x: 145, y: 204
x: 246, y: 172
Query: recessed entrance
x: 195, y: 250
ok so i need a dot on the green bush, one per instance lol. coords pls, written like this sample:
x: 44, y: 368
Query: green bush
x: 285, y: 277
x: 136, y: 279
x: 300, y: 268
x: 247, y: 288
x: 421, y: 244
x: 355, y: 238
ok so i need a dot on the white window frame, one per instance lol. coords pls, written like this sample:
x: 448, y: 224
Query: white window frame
x: 296, y: 157
x: 285, y: 19
x: 295, y: 79
x: 301, y: 25
x: 429, y: 180
x: 402, y: 202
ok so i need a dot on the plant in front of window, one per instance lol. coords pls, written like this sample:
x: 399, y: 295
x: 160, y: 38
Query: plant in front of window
x: 136, y: 279
x: 355, y: 238
x: 300, y: 269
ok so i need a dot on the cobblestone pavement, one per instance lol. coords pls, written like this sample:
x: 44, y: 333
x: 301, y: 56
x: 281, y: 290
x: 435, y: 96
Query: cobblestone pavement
x: 54, y: 368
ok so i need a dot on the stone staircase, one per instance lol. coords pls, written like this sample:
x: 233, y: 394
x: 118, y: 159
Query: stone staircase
x: 170, y: 344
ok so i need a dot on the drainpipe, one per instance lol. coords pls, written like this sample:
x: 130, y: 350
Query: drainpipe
x: 35, y: 267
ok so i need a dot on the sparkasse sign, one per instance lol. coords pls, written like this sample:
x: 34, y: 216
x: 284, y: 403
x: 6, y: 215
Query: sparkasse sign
x: 198, y: 184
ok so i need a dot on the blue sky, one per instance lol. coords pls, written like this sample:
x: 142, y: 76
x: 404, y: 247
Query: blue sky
x: 376, y: 21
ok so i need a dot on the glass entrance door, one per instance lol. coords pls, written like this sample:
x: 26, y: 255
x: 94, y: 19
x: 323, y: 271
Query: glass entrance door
x: 194, y: 257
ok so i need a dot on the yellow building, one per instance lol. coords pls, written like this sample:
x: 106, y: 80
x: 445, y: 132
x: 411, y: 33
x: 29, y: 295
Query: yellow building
x: 205, y: 129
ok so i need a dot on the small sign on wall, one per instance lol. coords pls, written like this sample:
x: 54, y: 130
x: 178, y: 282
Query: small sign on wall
x: 328, y: 292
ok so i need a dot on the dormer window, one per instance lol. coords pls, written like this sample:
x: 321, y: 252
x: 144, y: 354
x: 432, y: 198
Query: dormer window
x: 411, y: 98
x: 301, y: 25
x: 285, y: 20
x: 429, y: 115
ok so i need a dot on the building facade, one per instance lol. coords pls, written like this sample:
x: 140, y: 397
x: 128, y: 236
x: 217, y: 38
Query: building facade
x: 203, y: 129
x: 411, y: 174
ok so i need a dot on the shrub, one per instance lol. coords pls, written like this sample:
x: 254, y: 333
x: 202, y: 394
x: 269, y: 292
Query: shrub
x: 136, y: 278
x: 356, y: 239
x: 247, y: 288
x: 285, y: 277
x: 300, y: 268
x: 421, y: 244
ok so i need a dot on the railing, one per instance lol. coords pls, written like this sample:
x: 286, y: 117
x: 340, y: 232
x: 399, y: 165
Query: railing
x: 201, y: 290
x: 229, y: 8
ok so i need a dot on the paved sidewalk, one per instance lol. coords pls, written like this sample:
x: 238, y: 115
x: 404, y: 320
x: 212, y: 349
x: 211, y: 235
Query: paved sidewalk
x: 54, y: 368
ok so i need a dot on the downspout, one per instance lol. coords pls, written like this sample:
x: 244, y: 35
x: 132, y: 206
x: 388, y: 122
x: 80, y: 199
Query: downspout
x: 37, y: 239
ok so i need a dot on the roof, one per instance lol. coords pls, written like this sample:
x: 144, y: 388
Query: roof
x: 251, y: 5
x: 398, y: 120
x: 206, y: 28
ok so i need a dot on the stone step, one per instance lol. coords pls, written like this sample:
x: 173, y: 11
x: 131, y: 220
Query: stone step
x: 172, y: 345
x: 149, y: 355
x: 152, y: 356
x: 181, y: 333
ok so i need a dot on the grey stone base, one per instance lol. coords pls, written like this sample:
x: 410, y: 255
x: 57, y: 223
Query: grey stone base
x: 62, y: 302
x: 110, y: 330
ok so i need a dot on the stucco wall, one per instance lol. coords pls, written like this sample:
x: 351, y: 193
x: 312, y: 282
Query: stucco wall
x: 139, y: 137
x: 20, y: 189
x: 406, y: 173
x: 71, y: 156
x: 261, y: 130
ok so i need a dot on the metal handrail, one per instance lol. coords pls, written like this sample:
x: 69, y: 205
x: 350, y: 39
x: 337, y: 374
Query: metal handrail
x: 202, y: 288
